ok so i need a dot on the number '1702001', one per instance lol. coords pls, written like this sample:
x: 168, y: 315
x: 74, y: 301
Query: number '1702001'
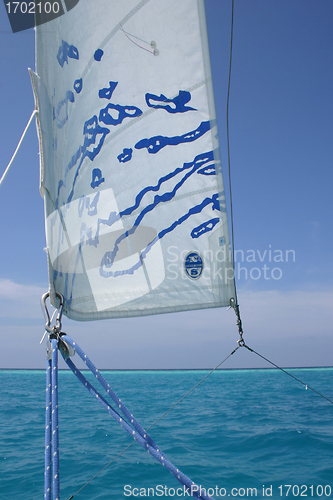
x: 294, y: 490
x: 32, y: 7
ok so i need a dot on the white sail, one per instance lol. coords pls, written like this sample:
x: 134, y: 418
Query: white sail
x: 135, y: 211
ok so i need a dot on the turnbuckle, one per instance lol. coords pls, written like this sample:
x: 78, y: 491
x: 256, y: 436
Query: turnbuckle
x: 235, y: 306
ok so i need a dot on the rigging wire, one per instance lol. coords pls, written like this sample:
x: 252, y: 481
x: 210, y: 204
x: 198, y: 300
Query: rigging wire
x: 233, y: 301
x: 213, y: 370
x: 287, y: 373
x: 235, y: 305
x: 228, y: 138
x: 18, y: 146
x: 113, y: 460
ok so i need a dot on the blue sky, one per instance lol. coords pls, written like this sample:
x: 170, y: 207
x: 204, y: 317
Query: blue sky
x: 281, y: 124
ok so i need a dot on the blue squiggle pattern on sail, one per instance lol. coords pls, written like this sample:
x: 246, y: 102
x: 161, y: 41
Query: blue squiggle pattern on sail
x: 208, y: 170
x: 197, y: 163
x: 62, y: 108
x: 189, y: 169
x: 205, y: 227
x: 91, y: 130
x: 97, y: 178
x: 113, y: 217
x: 179, y: 102
x: 73, y: 161
x: 91, y: 127
x: 90, y: 206
x: 109, y: 257
x: 194, y: 210
x: 123, y: 112
x: 94, y: 136
x: 66, y: 51
x: 155, y: 144
x: 78, y: 84
x: 98, y: 54
x: 107, y: 93
x: 125, y: 156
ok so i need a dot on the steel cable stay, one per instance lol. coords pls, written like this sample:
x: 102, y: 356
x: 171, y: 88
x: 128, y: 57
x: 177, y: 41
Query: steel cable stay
x: 234, y: 302
x: 287, y: 373
x: 35, y: 112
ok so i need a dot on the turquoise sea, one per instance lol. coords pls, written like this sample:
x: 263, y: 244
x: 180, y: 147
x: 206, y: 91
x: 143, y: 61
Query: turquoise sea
x: 241, y: 433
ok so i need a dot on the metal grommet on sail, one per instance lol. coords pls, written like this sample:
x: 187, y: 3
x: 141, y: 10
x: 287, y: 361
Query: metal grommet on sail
x: 153, y: 45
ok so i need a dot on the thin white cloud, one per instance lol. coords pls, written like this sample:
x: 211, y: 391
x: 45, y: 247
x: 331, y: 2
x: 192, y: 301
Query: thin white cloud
x: 20, y: 301
x: 11, y: 290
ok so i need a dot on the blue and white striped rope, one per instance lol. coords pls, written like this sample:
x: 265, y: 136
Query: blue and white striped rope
x: 48, y: 433
x: 132, y: 427
x: 55, y: 423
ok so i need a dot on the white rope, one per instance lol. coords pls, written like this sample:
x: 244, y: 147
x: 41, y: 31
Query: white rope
x: 18, y: 147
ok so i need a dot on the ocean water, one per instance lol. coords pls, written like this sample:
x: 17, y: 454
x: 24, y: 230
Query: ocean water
x: 241, y: 433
